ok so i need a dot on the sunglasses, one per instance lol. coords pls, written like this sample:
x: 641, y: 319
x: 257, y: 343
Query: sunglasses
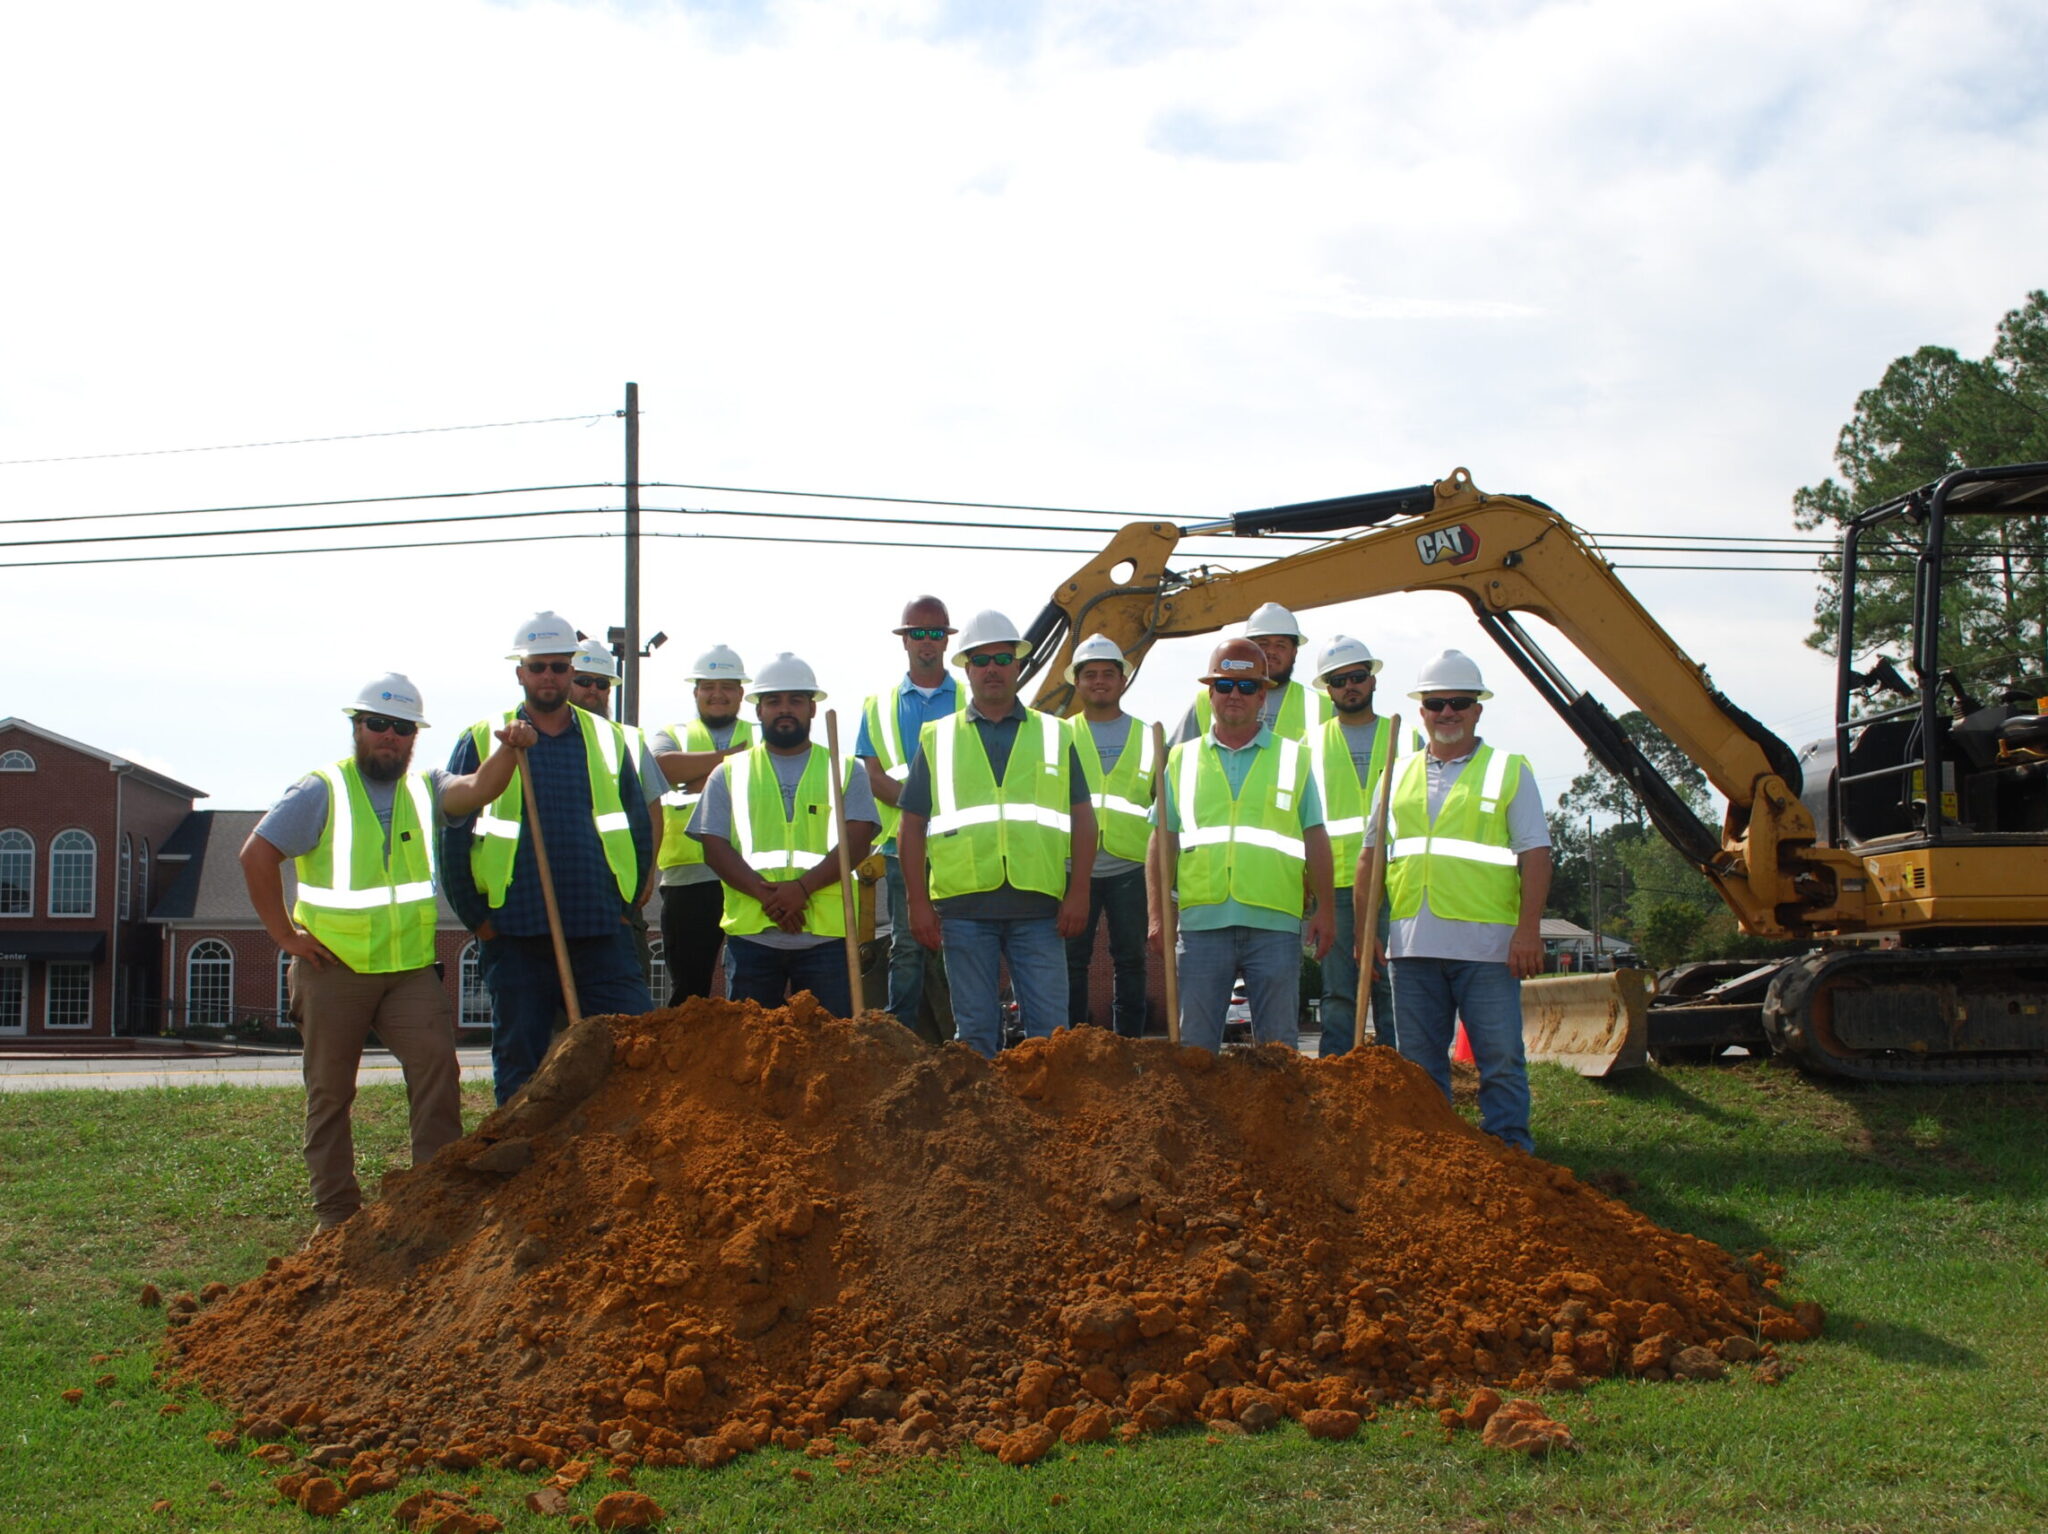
x: 1002, y: 659
x: 377, y: 724
x: 1349, y: 679
x: 1240, y: 684
x: 1438, y: 705
x: 590, y: 681
x: 926, y: 633
x: 558, y: 667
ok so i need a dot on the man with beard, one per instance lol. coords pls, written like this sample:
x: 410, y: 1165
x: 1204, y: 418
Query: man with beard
x: 1117, y: 757
x: 692, y: 902
x: 892, y: 725
x: 592, y: 807
x: 1240, y: 829
x: 1468, y: 870
x: 765, y: 822
x: 1350, y: 754
x: 1288, y: 709
x: 361, y: 932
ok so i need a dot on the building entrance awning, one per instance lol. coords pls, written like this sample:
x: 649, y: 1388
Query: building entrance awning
x: 18, y: 947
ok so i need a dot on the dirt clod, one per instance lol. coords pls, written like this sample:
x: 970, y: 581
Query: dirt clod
x: 626, y: 1510
x: 731, y: 1227
x: 1523, y: 1427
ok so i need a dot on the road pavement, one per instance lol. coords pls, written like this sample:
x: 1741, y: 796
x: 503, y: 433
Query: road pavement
x: 236, y: 1070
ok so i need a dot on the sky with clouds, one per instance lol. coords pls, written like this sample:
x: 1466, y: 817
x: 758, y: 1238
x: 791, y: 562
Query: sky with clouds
x: 1169, y: 260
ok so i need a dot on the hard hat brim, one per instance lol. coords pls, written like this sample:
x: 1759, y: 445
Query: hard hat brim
x: 1217, y: 676
x: 1020, y: 647
x: 1479, y: 694
x: 353, y: 709
x: 1320, y: 681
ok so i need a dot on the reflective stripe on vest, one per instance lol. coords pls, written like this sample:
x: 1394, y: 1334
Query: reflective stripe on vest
x: 1249, y: 848
x: 780, y: 847
x: 373, y: 910
x: 983, y: 835
x: 677, y: 849
x: 1123, y: 796
x: 884, y: 713
x: 1291, y: 722
x: 494, y: 849
x: 1463, y: 859
x: 1346, y: 801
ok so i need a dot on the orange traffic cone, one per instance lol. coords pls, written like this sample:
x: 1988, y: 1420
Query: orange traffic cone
x: 1461, y: 1046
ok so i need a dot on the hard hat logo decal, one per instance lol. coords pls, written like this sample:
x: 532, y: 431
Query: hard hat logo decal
x: 385, y: 696
x: 1234, y: 665
x: 1448, y: 546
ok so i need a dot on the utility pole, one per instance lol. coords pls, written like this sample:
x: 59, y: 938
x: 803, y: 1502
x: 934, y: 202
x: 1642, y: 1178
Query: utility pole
x: 629, y: 702
x: 1593, y: 882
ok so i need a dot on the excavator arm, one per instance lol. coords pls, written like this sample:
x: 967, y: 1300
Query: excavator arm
x: 1506, y: 556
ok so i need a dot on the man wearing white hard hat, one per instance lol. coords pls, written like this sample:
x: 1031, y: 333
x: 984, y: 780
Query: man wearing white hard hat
x: 592, y: 805
x: 1288, y: 709
x: 361, y: 929
x: 1116, y: 755
x: 766, y: 825
x: 590, y: 686
x: 892, y: 724
x: 998, y: 839
x: 1468, y: 870
x: 1351, y: 752
x: 692, y: 899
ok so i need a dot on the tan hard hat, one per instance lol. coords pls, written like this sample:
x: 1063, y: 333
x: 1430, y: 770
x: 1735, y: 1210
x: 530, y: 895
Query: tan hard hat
x: 1235, y: 659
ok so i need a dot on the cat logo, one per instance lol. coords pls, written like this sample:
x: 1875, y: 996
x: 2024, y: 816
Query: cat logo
x: 1448, y: 546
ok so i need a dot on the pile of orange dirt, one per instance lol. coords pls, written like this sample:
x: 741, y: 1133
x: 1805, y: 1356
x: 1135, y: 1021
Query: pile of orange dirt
x: 710, y: 1229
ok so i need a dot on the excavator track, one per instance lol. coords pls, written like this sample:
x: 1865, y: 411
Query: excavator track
x: 1954, y: 1016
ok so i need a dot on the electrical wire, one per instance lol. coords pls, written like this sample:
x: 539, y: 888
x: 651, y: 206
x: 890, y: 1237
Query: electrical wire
x: 359, y: 436
x: 360, y: 500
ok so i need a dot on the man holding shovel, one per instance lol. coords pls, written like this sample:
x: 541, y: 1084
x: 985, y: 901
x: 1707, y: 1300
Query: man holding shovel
x: 595, y: 839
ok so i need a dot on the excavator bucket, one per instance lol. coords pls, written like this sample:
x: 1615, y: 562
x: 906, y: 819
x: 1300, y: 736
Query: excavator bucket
x: 1595, y: 1024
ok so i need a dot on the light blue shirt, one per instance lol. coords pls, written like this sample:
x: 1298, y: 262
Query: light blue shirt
x: 1237, y: 765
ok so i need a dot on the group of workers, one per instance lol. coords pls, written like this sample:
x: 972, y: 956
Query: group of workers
x: 1007, y: 835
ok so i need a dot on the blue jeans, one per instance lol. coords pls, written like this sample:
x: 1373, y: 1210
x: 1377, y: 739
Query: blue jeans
x: 1338, y: 1010
x: 1122, y: 898
x: 1430, y: 995
x: 907, y: 956
x: 1209, y: 966
x: 526, y: 992
x: 770, y: 975
x: 1038, y: 974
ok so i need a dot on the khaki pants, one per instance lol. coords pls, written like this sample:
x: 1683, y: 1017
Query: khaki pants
x: 335, y: 1009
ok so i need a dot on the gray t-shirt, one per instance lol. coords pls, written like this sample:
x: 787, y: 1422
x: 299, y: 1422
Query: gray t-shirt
x: 295, y: 822
x: 1426, y: 935
x: 713, y: 817
x: 1112, y: 737
x: 678, y: 801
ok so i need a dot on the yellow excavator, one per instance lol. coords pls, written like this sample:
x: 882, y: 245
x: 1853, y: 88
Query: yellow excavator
x: 1910, y: 847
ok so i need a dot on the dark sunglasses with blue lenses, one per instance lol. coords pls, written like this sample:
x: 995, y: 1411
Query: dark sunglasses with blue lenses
x: 1240, y: 684
x: 1003, y: 658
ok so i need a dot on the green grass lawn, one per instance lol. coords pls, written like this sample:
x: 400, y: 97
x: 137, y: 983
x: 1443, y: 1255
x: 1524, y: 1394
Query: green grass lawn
x: 1918, y: 1217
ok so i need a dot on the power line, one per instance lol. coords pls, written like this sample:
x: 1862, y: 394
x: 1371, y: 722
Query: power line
x: 359, y: 436
x: 901, y: 500
x: 360, y: 500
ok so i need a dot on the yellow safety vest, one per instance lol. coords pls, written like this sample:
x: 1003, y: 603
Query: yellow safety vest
x: 1347, y: 803
x: 780, y: 847
x: 884, y: 713
x: 678, y: 850
x: 1123, y: 796
x: 983, y: 835
x: 1463, y: 858
x: 1249, y: 848
x: 375, y: 912
x: 495, y: 847
x: 1290, y: 723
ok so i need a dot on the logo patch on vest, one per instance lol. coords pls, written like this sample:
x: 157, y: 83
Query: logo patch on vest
x: 1448, y: 545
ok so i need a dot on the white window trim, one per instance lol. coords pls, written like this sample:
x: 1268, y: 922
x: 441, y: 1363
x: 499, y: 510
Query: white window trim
x: 29, y: 914
x: 50, y: 997
x: 92, y: 885
x: 20, y: 1026
x: 471, y: 956
x: 7, y: 765
x: 192, y: 954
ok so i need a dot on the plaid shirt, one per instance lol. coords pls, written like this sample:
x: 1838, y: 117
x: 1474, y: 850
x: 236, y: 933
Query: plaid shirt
x: 584, y: 887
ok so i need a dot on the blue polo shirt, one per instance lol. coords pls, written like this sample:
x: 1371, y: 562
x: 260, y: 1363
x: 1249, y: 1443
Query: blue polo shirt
x: 913, y: 713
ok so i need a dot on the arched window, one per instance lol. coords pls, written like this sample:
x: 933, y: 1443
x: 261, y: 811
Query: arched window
x: 657, y: 971
x: 125, y: 889
x: 16, y: 761
x: 74, y: 869
x: 142, y: 878
x: 476, y: 1000
x: 284, y: 990
x: 17, y: 873
x: 209, y: 984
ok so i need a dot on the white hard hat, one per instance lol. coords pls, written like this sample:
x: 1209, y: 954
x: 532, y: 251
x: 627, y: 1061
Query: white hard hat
x: 1097, y: 647
x: 1273, y: 619
x: 1451, y: 672
x: 594, y: 658
x: 989, y: 627
x: 718, y: 664
x: 786, y: 673
x: 1341, y: 652
x: 391, y: 695
x: 544, y: 634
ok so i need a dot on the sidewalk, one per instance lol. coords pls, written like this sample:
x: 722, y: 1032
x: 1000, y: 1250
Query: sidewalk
x: 233, y: 1070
